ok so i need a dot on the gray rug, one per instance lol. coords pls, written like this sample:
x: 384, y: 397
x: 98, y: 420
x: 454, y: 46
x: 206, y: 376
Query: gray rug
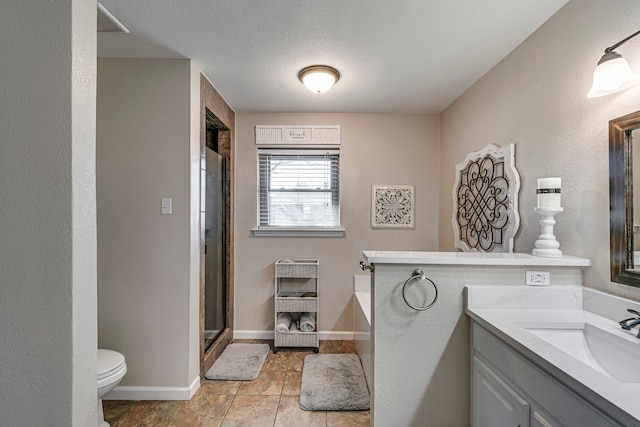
x: 241, y: 362
x: 333, y: 382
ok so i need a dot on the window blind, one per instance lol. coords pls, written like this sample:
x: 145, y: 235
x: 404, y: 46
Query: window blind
x: 298, y: 188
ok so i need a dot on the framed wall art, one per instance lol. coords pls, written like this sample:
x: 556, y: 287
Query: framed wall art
x: 392, y: 206
x: 485, y: 200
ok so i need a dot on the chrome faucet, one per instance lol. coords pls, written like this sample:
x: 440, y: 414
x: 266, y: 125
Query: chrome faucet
x: 631, y: 322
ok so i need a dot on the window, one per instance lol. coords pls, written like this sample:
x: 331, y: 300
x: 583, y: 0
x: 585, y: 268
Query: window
x: 298, y: 189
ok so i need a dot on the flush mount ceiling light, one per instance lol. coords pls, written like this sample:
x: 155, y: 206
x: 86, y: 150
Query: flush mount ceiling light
x: 319, y: 78
x: 613, y: 73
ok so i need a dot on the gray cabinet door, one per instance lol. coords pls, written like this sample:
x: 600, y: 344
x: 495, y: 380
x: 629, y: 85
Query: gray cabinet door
x: 495, y: 403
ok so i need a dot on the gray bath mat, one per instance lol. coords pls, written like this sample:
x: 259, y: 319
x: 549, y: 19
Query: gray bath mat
x: 241, y: 362
x: 333, y: 382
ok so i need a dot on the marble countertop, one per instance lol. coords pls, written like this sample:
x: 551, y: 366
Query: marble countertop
x: 506, y: 311
x: 471, y: 258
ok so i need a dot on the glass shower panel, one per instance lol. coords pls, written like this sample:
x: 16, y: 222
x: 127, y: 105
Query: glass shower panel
x: 215, y: 248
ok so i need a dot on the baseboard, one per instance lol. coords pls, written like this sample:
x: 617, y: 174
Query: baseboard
x: 154, y: 393
x: 252, y: 335
x: 268, y: 335
x: 337, y: 335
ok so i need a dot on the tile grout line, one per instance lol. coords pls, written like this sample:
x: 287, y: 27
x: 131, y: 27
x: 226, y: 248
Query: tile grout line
x: 275, y: 417
x: 229, y: 408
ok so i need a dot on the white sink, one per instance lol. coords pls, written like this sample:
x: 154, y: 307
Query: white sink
x: 573, y: 334
x: 611, y: 352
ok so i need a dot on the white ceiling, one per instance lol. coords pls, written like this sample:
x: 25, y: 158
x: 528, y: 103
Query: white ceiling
x: 395, y: 56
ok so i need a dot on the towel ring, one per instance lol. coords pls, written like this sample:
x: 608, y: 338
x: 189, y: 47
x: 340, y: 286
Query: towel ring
x: 419, y: 275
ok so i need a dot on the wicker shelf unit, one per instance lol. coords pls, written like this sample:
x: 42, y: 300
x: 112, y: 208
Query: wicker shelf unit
x: 296, y: 292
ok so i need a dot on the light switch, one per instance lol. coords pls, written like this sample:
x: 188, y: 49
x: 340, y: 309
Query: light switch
x: 166, y: 205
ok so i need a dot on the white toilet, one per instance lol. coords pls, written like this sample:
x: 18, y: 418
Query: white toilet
x: 111, y: 369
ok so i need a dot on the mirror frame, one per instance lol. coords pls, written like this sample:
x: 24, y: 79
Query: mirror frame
x: 621, y: 199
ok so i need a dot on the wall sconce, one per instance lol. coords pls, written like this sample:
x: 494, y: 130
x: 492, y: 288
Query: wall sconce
x: 613, y: 73
x: 319, y: 78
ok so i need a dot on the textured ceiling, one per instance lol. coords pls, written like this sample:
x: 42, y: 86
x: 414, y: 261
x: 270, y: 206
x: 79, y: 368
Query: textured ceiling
x: 402, y: 56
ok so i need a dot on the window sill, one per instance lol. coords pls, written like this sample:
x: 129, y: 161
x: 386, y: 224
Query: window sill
x: 299, y: 232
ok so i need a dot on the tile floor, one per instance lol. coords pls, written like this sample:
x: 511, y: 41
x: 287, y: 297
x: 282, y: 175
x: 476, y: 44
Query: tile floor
x: 271, y: 400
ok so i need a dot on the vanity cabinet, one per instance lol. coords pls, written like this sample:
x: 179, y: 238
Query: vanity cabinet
x: 496, y: 403
x: 540, y: 419
x: 507, y: 389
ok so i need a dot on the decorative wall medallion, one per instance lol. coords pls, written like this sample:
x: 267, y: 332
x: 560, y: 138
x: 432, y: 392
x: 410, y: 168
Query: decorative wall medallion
x: 485, y: 200
x: 392, y: 206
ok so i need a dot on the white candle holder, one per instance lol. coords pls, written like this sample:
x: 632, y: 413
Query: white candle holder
x: 547, y: 245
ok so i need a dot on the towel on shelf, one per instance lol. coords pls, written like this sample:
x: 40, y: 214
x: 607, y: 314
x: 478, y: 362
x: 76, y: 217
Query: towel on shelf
x: 307, y: 324
x: 284, y: 322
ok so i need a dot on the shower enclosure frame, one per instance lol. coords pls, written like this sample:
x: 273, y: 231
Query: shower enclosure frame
x: 216, y: 113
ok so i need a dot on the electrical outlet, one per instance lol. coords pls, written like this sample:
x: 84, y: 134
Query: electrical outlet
x: 537, y: 278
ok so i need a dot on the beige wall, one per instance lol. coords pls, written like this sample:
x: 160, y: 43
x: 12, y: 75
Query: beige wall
x: 376, y: 149
x: 536, y: 97
x: 148, y: 148
x: 47, y: 214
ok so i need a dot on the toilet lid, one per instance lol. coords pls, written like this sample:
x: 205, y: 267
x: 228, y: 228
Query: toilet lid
x: 108, y: 361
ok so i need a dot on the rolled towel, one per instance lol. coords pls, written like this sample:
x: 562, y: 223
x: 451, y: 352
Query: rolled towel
x: 307, y: 324
x: 284, y: 322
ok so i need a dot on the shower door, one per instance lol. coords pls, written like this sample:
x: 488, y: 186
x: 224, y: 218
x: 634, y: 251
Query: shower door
x: 215, y: 249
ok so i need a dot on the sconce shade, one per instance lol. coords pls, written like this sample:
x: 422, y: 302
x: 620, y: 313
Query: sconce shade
x: 612, y: 74
x: 319, y: 78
